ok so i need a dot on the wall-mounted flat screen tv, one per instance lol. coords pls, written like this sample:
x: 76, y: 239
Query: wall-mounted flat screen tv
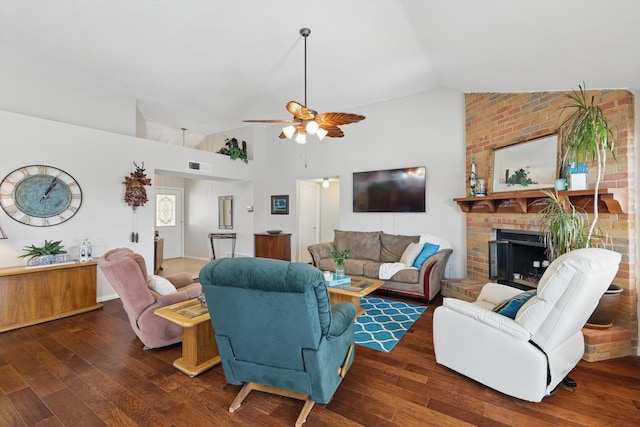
x: 392, y: 190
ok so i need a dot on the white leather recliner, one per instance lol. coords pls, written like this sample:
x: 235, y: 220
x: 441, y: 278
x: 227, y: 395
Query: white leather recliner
x: 525, y: 357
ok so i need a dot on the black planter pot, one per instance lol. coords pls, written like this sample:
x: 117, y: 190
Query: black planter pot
x: 605, y: 312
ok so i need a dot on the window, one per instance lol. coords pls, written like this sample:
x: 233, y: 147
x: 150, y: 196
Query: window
x: 165, y: 210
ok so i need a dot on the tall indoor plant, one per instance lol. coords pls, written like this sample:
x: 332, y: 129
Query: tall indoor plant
x: 586, y: 136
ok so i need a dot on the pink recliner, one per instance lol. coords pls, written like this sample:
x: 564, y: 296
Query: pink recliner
x: 127, y: 273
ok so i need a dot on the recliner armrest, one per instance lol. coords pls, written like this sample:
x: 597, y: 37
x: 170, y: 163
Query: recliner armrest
x: 180, y: 280
x: 342, y: 316
x: 487, y: 317
x: 182, y: 295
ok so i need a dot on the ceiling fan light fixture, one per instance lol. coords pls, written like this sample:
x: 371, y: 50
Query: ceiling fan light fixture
x: 321, y: 133
x: 312, y: 127
x: 307, y: 121
x: 289, y: 131
x: 301, y: 138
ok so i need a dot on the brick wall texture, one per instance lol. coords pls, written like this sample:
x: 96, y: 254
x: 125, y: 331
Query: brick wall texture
x: 495, y: 120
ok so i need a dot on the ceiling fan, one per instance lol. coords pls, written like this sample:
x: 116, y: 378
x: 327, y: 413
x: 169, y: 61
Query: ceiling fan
x: 307, y: 121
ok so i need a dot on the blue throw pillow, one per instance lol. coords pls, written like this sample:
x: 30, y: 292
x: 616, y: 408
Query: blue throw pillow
x: 429, y: 249
x: 510, y: 306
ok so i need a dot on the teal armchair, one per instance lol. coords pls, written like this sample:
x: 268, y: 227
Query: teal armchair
x: 276, y: 329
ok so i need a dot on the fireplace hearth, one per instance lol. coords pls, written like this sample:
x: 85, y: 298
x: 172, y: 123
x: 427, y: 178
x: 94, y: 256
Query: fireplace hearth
x: 517, y: 258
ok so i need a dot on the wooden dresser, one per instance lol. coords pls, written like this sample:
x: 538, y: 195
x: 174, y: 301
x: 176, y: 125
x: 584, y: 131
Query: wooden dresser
x: 276, y: 246
x: 35, y: 295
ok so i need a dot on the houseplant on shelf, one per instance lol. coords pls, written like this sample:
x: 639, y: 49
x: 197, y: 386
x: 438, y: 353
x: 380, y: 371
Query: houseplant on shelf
x: 43, y: 255
x: 586, y: 137
x: 340, y: 257
x: 233, y: 150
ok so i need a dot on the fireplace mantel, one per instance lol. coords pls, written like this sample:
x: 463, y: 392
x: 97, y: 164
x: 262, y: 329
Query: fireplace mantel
x: 610, y: 200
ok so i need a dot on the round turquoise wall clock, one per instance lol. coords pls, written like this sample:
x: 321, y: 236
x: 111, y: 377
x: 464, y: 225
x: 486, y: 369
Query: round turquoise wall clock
x: 40, y: 195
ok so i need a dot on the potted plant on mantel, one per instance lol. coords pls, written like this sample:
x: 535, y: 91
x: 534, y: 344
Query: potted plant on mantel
x: 586, y: 136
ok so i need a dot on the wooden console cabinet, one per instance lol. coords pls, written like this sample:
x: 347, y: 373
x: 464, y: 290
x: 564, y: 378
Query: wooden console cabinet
x: 35, y: 295
x: 276, y: 246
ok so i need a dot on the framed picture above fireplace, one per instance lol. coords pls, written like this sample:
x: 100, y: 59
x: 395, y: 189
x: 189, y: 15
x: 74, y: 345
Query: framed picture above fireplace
x: 527, y: 165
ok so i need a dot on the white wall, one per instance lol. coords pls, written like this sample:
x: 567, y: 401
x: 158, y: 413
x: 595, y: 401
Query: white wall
x: 99, y: 161
x: 425, y: 129
x: 56, y: 91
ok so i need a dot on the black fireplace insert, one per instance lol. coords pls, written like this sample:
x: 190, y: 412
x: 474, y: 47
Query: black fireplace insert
x: 517, y: 258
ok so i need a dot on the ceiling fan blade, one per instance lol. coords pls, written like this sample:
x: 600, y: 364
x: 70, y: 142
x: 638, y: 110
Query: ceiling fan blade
x: 272, y: 121
x: 335, y: 119
x: 333, y: 131
x: 300, y: 111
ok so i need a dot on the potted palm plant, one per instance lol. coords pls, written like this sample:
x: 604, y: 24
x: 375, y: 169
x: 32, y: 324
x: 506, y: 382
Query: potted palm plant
x: 586, y: 137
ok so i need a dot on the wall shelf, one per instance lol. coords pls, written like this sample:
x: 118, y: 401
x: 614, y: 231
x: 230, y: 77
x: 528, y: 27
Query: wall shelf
x: 610, y: 200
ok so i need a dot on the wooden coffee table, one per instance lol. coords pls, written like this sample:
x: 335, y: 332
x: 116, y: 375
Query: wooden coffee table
x: 359, y: 287
x: 199, y: 348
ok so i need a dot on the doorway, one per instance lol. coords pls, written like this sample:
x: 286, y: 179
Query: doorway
x: 318, y: 213
x: 169, y: 220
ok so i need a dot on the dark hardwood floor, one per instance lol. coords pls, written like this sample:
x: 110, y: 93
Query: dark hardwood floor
x: 90, y: 370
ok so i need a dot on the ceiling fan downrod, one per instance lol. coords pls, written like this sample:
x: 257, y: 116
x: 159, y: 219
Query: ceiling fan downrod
x: 304, y: 32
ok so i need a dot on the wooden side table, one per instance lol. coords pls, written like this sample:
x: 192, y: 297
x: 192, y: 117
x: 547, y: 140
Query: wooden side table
x: 276, y: 246
x: 353, y: 292
x: 199, y: 348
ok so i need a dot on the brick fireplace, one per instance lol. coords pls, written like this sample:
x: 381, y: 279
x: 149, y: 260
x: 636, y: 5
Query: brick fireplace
x: 495, y: 120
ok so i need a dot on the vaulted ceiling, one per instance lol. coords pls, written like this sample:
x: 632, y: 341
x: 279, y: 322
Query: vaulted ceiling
x: 207, y: 65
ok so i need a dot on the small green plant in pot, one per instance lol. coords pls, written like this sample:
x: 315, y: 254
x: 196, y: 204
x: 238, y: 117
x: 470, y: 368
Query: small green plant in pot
x: 46, y: 253
x: 340, y: 257
x: 232, y: 149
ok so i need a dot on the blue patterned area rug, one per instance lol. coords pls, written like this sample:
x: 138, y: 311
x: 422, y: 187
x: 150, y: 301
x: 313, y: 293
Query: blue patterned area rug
x: 384, y: 322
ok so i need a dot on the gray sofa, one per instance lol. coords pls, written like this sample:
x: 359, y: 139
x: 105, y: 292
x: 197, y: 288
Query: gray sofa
x: 370, y: 249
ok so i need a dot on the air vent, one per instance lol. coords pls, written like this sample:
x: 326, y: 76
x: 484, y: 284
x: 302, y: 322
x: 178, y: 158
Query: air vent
x: 204, y: 167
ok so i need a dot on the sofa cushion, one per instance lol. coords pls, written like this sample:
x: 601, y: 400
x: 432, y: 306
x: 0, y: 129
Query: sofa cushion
x: 327, y: 264
x: 362, y: 244
x: 429, y: 249
x: 392, y: 246
x: 410, y: 254
x: 354, y: 267
x: 408, y: 275
x: 372, y: 269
